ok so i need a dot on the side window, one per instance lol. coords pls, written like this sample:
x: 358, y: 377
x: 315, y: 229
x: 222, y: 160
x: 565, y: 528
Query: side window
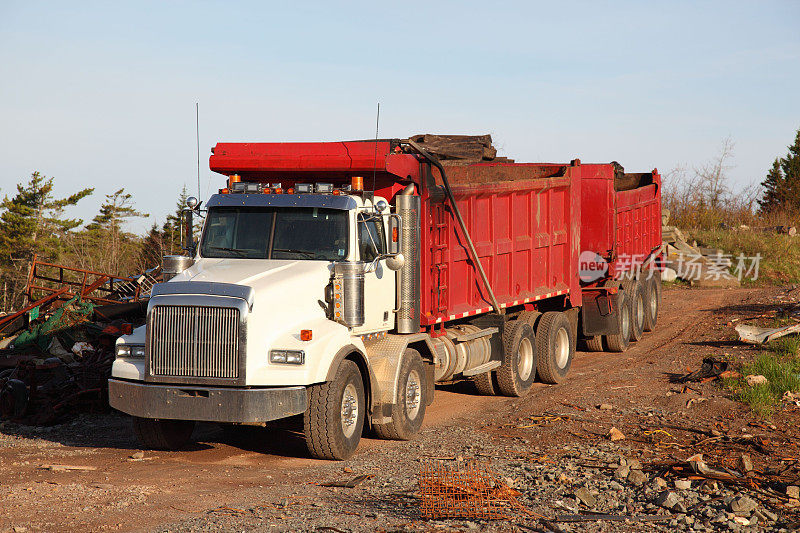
x: 371, y: 243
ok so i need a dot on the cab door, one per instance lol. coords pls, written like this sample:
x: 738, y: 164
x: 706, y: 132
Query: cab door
x: 379, y: 285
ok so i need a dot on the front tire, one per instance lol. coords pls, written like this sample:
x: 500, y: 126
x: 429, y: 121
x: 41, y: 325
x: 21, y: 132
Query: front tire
x: 334, y: 419
x: 158, y: 434
x: 555, y: 346
x: 409, y: 411
x: 518, y: 371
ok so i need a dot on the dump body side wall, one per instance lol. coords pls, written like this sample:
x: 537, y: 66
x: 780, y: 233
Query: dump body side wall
x: 525, y: 231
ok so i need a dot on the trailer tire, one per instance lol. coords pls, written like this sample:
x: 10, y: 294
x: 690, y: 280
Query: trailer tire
x: 652, y: 303
x: 618, y: 342
x: 555, y: 347
x: 485, y: 383
x: 409, y: 411
x: 158, y: 434
x: 518, y: 371
x: 594, y: 343
x: 636, y: 299
x: 332, y: 428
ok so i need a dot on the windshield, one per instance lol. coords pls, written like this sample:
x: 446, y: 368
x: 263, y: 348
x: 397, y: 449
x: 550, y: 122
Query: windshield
x: 276, y: 233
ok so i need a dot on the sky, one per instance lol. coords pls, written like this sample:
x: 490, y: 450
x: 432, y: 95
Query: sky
x: 103, y: 94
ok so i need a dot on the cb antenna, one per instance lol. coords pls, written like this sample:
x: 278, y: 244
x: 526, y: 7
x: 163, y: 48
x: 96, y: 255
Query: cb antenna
x: 375, y: 158
x: 197, y: 132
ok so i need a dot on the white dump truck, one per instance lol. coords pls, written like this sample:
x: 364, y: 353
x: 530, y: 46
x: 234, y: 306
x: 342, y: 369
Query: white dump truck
x: 308, y: 295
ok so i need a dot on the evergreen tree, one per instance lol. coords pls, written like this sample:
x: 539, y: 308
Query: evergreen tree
x: 782, y: 184
x: 106, y: 232
x: 31, y: 223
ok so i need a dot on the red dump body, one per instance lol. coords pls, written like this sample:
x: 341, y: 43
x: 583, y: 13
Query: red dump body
x: 621, y: 215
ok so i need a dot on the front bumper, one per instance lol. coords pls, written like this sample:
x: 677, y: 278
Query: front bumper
x: 210, y: 404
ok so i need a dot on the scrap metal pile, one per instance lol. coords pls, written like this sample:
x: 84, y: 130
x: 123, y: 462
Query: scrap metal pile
x: 56, y: 352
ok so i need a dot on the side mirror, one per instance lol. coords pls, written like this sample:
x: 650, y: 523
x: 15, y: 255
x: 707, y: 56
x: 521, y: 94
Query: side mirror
x: 395, y: 262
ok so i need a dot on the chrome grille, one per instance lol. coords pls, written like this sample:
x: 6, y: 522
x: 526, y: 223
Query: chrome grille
x: 194, y: 341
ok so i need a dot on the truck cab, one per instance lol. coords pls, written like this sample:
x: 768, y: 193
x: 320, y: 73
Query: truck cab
x: 272, y: 303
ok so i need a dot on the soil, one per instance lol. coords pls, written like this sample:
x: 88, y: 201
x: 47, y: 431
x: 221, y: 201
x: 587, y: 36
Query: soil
x: 551, y: 445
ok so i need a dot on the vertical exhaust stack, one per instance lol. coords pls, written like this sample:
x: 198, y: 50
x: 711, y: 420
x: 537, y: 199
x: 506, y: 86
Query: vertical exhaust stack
x: 408, y: 297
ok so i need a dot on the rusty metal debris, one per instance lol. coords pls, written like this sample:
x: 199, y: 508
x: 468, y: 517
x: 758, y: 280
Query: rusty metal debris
x: 467, y: 490
x: 711, y: 369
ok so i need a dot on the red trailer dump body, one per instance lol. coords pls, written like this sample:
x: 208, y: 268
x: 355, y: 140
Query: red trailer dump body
x: 621, y: 215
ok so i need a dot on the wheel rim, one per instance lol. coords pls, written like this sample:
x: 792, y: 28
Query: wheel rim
x: 349, y: 410
x: 525, y: 359
x: 413, y: 395
x: 626, y: 322
x: 640, y: 311
x: 562, y: 348
x: 653, y: 304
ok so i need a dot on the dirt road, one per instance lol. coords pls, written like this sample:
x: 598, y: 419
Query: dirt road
x: 87, y: 475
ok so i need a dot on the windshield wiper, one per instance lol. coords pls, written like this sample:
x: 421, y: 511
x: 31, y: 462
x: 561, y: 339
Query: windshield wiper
x: 241, y: 253
x: 294, y: 251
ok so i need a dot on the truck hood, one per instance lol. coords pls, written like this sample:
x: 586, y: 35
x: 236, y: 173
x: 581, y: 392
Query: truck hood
x: 286, y: 290
x: 257, y: 273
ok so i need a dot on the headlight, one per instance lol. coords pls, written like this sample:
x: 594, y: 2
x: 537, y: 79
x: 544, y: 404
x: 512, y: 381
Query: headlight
x: 291, y: 357
x: 130, y: 350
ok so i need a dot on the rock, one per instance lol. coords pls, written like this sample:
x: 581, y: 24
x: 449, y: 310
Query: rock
x: 793, y: 491
x: 634, y: 464
x: 753, y: 380
x: 586, y: 497
x: 637, y: 477
x: 669, y: 274
x: 138, y: 455
x: 615, y: 486
x: 621, y: 473
x: 614, y: 434
x: 667, y: 499
x: 605, y: 407
x: 680, y: 508
x: 768, y: 515
x: 745, y: 463
x: 683, y: 484
x: 743, y: 505
x: 659, y: 483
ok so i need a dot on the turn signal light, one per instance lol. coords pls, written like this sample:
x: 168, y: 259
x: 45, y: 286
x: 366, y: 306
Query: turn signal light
x: 305, y: 334
x: 290, y: 191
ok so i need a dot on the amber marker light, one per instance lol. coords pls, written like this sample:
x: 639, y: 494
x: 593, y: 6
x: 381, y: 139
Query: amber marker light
x: 305, y: 334
x: 357, y: 183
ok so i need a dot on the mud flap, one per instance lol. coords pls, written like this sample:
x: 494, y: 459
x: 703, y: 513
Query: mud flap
x: 429, y: 381
x: 599, y: 313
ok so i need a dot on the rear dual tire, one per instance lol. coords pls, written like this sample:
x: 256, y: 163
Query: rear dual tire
x: 652, y: 291
x: 555, y: 343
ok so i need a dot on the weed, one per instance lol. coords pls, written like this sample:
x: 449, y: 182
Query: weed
x: 780, y: 365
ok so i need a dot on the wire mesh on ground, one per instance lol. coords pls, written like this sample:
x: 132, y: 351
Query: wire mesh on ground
x: 463, y: 490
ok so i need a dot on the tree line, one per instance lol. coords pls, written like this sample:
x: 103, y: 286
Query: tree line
x: 33, y: 223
